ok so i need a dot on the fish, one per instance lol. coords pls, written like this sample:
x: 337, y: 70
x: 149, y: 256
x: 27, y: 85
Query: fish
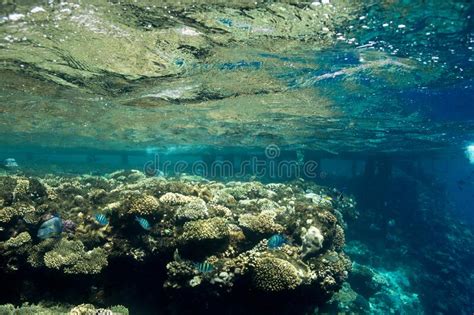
x: 50, y: 228
x: 338, y: 194
x: 143, y: 223
x: 204, y: 267
x: 10, y: 163
x: 276, y: 241
x: 101, y: 219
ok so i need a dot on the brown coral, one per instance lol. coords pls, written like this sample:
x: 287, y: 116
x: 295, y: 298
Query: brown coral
x: 142, y: 204
x: 275, y: 275
x: 262, y: 223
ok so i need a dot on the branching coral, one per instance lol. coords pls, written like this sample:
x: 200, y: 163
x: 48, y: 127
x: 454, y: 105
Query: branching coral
x: 72, y: 257
x: 90, y: 262
x: 65, y: 253
x: 18, y: 241
x: 89, y: 309
x: 8, y: 213
x: 21, y: 188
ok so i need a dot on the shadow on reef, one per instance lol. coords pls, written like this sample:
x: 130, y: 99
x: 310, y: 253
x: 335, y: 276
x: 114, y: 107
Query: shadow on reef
x: 138, y: 286
x: 171, y: 245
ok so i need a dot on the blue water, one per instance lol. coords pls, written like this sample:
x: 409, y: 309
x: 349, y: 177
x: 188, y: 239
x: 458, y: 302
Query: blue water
x: 364, y: 103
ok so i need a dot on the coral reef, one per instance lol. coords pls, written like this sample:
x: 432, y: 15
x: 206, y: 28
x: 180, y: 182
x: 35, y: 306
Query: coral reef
x: 203, y: 237
x: 275, y: 274
x: 142, y: 204
x: 262, y: 223
x: 18, y: 241
x: 202, y: 234
x: 83, y: 309
x: 194, y: 209
x: 72, y: 258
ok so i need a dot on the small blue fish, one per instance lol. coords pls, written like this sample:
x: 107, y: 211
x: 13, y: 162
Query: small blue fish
x: 204, y: 267
x: 101, y: 219
x: 143, y: 223
x: 50, y: 228
x: 226, y: 21
x: 276, y: 241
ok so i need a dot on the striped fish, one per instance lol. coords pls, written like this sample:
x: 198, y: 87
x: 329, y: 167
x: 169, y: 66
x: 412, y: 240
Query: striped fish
x: 143, y: 223
x: 101, y: 219
x: 276, y: 241
x: 204, y: 267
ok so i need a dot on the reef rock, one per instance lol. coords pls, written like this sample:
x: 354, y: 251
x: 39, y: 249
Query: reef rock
x: 312, y: 241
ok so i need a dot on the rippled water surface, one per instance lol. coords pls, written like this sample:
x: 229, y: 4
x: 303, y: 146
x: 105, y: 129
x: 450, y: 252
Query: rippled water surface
x: 340, y: 77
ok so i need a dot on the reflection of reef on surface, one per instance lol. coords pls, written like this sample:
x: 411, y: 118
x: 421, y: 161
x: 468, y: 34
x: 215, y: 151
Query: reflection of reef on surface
x: 279, y: 72
x: 205, y: 238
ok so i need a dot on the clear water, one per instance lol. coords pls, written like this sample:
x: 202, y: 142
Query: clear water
x: 376, y: 95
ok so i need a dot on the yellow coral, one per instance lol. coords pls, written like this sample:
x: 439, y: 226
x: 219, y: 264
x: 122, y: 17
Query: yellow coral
x: 83, y: 309
x: 21, y: 188
x: 91, y: 262
x: 215, y: 228
x: 275, y: 274
x: 18, y: 241
x: 220, y: 211
x: 7, y: 213
x: 174, y: 199
x: 71, y: 256
x: 65, y: 253
x: 143, y: 205
x: 264, y: 222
